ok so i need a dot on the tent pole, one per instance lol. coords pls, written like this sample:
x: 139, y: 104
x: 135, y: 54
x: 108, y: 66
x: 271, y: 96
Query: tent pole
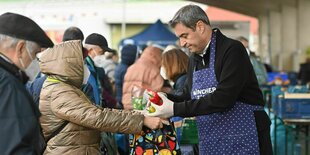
x: 124, y: 20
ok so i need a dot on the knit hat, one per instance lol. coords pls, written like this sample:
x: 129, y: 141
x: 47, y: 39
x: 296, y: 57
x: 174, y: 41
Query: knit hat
x: 129, y: 54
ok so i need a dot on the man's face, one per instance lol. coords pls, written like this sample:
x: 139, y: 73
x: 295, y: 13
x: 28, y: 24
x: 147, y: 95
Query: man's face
x: 189, y: 38
x: 96, y: 51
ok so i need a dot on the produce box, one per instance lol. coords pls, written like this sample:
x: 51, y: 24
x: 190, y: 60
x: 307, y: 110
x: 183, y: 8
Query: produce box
x: 189, y: 132
x: 294, y: 106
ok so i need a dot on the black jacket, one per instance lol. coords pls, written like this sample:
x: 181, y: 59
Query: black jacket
x: 179, y: 84
x: 20, y: 131
x: 235, y: 76
x: 304, y: 73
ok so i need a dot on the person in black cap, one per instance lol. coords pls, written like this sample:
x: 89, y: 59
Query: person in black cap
x: 99, y: 40
x: 98, y: 86
x: 96, y: 46
x: 101, y: 54
x: 20, y: 40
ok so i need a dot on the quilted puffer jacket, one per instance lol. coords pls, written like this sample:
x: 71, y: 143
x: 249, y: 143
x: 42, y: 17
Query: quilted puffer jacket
x: 61, y: 100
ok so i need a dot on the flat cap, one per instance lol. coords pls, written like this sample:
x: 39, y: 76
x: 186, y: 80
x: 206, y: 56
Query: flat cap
x: 22, y: 27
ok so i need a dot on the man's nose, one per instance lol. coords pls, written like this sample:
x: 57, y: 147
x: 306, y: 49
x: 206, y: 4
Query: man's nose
x: 182, y: 43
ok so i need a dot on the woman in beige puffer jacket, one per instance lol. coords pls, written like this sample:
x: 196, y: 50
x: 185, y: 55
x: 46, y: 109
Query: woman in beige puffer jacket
x: 61, y: 100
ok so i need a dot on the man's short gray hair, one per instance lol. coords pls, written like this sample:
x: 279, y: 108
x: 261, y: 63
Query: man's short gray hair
x: 10, y: 42
x: 189, y: 15
x: 89, y: 46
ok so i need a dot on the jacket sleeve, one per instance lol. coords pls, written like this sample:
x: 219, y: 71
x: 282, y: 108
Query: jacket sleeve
x: 233, y: 75
x: 180, y: 95
x: 69, y: 105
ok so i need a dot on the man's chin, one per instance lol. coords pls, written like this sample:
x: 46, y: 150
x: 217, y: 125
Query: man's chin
x: 194, y: 51
x: 191, y: 50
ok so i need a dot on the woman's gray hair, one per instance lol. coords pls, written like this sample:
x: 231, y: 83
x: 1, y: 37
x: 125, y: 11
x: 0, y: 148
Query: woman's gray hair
x: 11, y: 42
x: 189, y: 15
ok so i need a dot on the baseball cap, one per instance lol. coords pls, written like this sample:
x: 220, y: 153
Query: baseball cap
x: 99, y: 40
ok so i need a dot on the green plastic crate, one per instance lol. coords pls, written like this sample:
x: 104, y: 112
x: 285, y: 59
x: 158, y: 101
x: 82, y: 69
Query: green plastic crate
x: 189, y: 132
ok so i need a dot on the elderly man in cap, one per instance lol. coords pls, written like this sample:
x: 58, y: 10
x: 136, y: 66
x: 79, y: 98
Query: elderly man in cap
x: 101, y: 53
x: 97, y: 45
x: 98, y: 85
x: 20, y: 40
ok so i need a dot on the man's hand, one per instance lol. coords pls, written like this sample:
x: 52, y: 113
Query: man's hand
x: 163, y: 111
x: 152, y: 122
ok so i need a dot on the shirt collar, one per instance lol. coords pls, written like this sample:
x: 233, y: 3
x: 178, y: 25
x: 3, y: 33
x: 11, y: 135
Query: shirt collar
x: 248, y: 51
x: 205, y: 49
x: 5, y: 58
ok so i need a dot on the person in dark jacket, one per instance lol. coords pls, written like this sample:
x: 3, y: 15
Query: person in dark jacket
x: 258, y: 65
x: 175, y: 62
x: 20, y: 40
x: 221, y: 90
x: 128, y: 57
x: 304, y: 72
x: 97, y: 45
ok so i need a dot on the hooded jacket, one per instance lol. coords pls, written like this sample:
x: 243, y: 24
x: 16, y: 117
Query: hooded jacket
x: 144, y: 73
x: 61, y: 100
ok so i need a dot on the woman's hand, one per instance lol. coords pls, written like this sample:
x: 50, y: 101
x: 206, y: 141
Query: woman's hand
x: 152, y: 122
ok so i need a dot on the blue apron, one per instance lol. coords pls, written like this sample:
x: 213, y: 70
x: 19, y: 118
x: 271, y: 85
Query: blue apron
x: 223, y: 133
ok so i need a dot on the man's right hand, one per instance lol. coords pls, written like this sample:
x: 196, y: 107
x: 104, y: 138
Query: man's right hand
x: 152, y: 122
x: 163, y: 111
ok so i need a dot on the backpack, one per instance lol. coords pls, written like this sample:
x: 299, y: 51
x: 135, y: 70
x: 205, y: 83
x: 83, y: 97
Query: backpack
x: 34, y: 89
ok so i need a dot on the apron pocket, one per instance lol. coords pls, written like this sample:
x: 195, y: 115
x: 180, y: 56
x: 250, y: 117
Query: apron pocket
x: 239, y: 144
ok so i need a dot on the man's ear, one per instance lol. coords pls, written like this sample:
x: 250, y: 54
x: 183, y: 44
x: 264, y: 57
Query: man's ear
x: 200, y: 26
x: 91, y: 51
x: 19, y: 48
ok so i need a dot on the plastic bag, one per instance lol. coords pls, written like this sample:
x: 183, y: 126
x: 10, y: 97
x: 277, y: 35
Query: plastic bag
x: 155, y: 142
x: 138, y: 98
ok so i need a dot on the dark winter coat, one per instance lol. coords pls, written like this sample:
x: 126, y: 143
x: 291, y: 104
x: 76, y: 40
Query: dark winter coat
x: 128, y: 57
x: 20, y: 131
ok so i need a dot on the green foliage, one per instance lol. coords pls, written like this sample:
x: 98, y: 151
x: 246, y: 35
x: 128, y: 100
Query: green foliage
x: 308, y: 52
